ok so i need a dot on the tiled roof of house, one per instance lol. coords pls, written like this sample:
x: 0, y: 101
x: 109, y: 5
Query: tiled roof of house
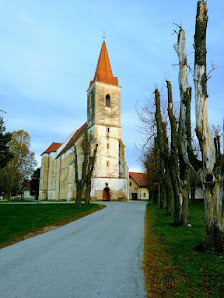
x: 103, y: 70
x: 77, y: 134
x: 52, y: 148
x: 139, y: 178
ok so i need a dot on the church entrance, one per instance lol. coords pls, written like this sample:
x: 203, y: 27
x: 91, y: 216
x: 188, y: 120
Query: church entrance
x: 106, y: 194
x: 134, y: 196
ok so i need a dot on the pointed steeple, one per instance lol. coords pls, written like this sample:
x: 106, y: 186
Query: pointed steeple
x: 103, y: 70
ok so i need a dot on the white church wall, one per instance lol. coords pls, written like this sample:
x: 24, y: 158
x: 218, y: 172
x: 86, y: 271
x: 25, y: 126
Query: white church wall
x: 107, y: 115
x: 118, y: 188
x: 107, y: 162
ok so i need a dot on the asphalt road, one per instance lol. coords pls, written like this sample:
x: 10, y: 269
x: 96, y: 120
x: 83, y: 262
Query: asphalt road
x: 99, y: 255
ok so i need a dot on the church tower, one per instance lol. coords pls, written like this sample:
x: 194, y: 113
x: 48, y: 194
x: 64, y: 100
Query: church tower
x: 104, y: 123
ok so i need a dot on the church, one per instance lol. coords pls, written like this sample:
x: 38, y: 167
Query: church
x: 110, y: 179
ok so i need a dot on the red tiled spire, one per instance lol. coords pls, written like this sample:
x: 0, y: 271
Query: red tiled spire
x: 103, y: 70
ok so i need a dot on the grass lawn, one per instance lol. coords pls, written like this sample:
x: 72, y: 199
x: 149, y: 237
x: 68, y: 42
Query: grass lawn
x: 171, y: 264
x: 17, y: 201
x: 19, y: 220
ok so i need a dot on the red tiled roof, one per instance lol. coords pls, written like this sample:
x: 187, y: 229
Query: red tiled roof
x: 75, y: 137
x: 139, y: 178
x: 103, y: 70
x: 52, y: 148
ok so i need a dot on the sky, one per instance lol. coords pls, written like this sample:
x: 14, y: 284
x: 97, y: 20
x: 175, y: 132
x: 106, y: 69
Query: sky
x: 50, y: 48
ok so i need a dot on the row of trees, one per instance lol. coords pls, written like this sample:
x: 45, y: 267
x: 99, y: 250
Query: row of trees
x: 17, y: 162
x: 171, y: 161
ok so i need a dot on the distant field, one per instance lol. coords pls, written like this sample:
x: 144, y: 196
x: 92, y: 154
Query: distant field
x: 17, y: 219
x: 172, y: 265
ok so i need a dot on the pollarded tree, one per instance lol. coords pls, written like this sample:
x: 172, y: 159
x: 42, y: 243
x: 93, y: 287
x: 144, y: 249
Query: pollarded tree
x: 212, y: 167
x: 177, y: 171
x: 153, y: 157
x: 170, y: 155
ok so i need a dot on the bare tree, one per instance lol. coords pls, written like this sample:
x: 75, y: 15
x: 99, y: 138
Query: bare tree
x: 212, y: 168
x: 151, y: 171
x: 184, y: 129
x: 160, y: 185
x: 90, y: 168
x: 175, y: 174
x: 170, y: 163
x: 83, y: 176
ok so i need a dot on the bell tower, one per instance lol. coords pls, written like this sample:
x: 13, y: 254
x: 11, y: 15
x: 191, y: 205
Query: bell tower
x: 104, y: 123
x: 103, y: 95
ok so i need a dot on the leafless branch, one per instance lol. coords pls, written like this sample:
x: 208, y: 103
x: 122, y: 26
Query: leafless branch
x: 175, y: 31
x: 213, y: 68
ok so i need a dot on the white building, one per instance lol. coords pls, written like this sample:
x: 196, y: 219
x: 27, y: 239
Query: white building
x: 138, y: 189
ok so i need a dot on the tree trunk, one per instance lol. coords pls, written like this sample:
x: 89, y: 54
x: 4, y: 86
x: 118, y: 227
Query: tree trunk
x: 185, y: 202
x: 193, y: 190
x: 193, y: 178
x: 173, y: 161
x: 90, y: 169
x: 84, y: 181
x: 151, y: 193
x: 161, y: 149
x: 10, y: 191
x: 79, y: 183
x: 177, y: 199
x: 158, y: 194
x: 184, y: 129
x: 162, y: 196
x: 87, y: 193
x: 78, y: 201
x: 167, y: 181
x: 212, y: 171
x: 10, y: 195
x: 162, y: 182
x: 157, y: 165
x: 169, y: 195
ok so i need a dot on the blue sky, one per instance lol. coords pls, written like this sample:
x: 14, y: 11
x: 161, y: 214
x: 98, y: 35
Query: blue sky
x: 49, y: 52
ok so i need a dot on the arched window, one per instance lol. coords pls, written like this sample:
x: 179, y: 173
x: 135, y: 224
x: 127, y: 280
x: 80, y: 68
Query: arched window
x: 107, y: 100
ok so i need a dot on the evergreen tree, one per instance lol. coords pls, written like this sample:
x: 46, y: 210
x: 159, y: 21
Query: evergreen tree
x: 5, y: 137
x: 34, y: 183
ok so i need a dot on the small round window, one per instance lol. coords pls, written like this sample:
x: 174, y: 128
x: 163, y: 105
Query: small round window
x: 107, y: 100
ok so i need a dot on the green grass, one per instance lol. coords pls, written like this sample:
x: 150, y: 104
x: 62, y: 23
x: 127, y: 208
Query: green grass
x: 203, y: 273
x: 17, y: 201
x: 17, y: 219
